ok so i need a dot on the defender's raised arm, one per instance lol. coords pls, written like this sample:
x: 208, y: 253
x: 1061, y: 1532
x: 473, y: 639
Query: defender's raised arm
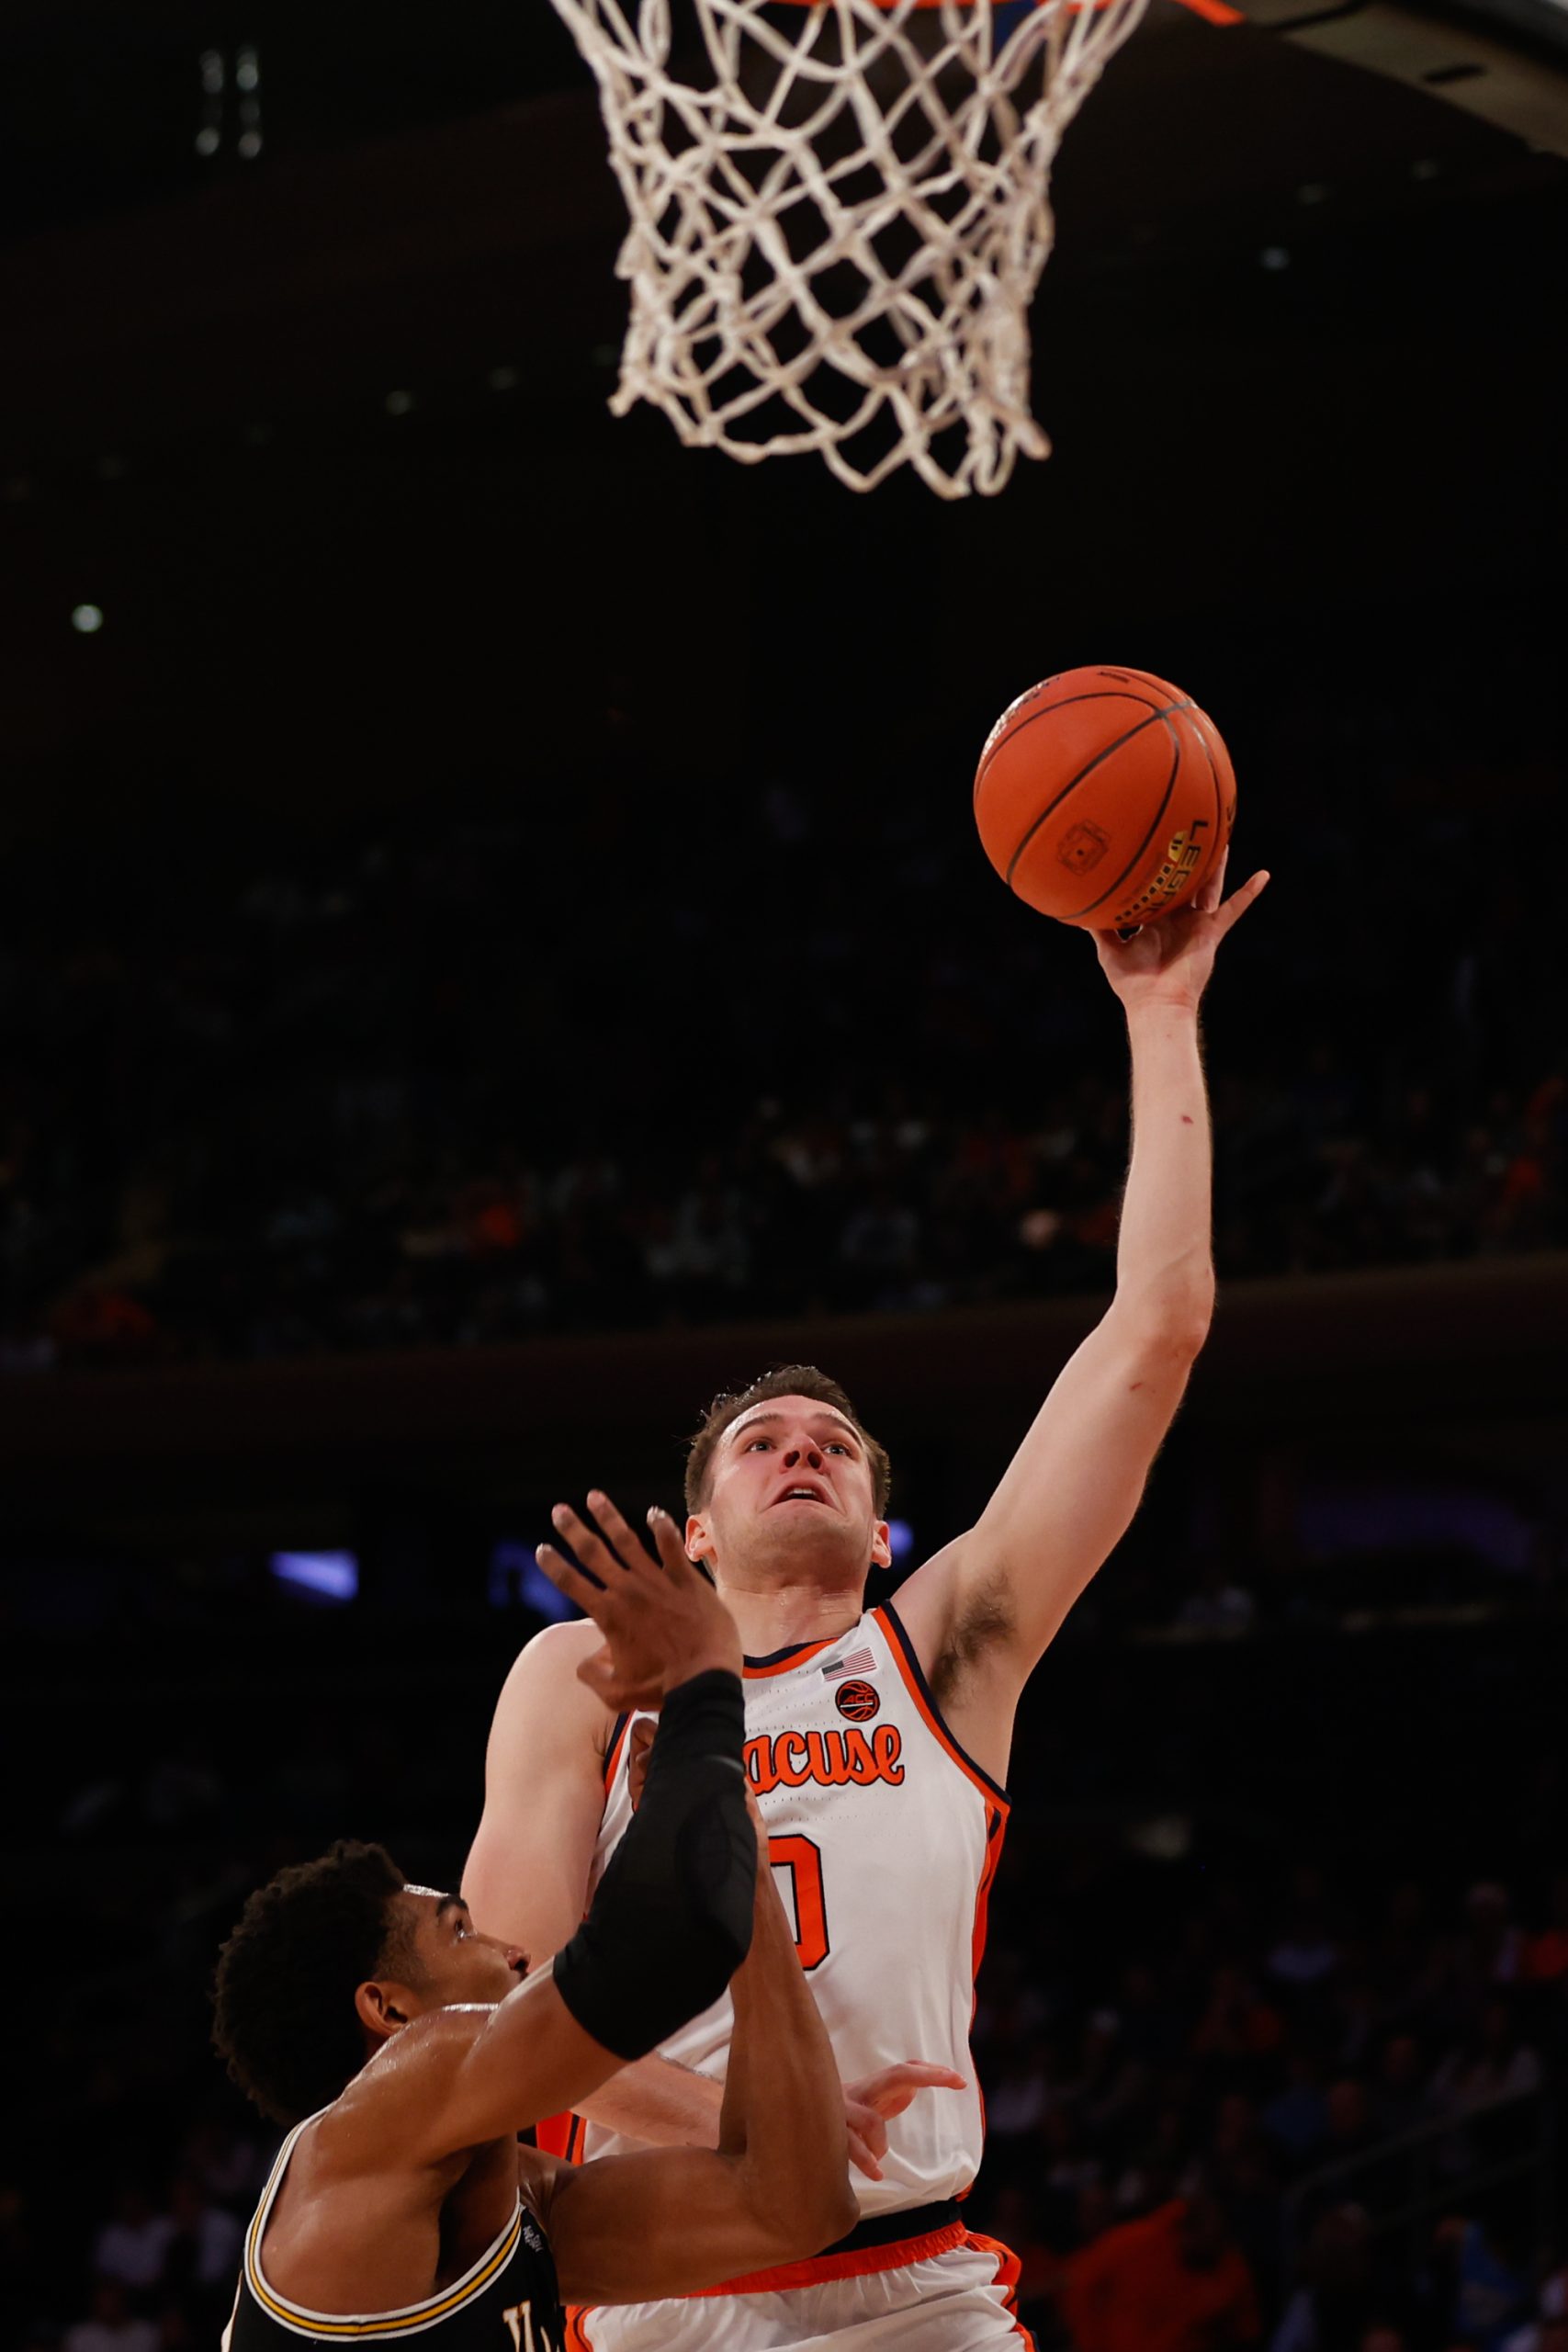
x: 671, y: 2221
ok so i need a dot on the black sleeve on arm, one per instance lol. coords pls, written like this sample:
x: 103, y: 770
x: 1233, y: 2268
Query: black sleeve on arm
x: 671, y: 1921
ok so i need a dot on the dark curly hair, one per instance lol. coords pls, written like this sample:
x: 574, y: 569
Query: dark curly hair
x: 284, y: 2018
x: 785, y: 1380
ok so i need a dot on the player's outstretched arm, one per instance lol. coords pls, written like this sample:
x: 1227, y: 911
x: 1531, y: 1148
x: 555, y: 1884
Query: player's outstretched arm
x: 667, y: 2222
x: 997, y: 1596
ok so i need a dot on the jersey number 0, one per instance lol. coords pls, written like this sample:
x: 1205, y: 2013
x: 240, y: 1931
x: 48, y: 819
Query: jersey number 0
x: 802, y: 1857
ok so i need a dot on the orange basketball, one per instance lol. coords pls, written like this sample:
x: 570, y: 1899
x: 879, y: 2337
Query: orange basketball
x: 1104, y: 796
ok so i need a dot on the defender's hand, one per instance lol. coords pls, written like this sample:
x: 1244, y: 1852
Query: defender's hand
x: 662, y: 1624
x: 1170, y: 962
x: 869, y: 2103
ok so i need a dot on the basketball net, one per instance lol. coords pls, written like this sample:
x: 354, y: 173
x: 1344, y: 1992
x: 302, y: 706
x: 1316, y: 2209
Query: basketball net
x: 839, y: 221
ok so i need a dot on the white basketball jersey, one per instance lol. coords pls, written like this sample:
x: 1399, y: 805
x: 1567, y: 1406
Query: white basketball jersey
x: 885, y: 1839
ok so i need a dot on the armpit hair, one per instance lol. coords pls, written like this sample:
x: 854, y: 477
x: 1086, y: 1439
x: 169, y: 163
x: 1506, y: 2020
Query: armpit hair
x: 985, y: 1623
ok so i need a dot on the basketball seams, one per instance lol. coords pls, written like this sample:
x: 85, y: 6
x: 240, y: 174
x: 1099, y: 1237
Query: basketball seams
x: 1099, y: 761
x: 1067, y: 702
x: 1111, y: 888
x: 1214, y: 780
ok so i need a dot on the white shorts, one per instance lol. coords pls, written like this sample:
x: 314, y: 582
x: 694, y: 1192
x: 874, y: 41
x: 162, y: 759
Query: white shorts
x: 959, y: 2300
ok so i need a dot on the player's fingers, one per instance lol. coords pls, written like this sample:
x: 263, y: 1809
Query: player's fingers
x: 599, y: 1670
x: 1207, y: 897
x: 678, y: 1565
x: 891, y: 2091
x: 924, y: 2071
x: 586, y: 1591
x: 605, y: 1678
x: 862, y: 2157
x: 924, y: 2075
x: 1236, y: 904
x: 587, y: 1542
x: 624, y: 1541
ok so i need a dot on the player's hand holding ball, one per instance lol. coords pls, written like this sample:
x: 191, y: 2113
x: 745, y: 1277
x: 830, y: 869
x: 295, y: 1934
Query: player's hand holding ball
x: 661, y: 1620
x: 1105, y: 798
x: 1170, y: 962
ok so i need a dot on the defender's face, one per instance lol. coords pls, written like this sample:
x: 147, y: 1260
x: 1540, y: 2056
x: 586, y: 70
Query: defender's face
x: 459, y: 1964
x: 790, y: 1478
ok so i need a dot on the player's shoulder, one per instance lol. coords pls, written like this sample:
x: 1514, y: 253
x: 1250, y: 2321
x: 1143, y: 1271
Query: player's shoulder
x: 559, y: 1650
x: 542, y: 1698
x: 550, y: 1663
x: 358, y: 2131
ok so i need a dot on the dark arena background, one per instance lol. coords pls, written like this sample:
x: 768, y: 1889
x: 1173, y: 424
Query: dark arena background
x: 494, y: 947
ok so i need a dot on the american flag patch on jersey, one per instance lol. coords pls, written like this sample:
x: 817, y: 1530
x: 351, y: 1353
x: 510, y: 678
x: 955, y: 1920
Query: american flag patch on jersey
x: 857, y: 1662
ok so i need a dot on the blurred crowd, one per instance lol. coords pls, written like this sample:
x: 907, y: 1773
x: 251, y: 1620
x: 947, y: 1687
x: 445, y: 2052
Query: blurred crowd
x: 633, y: 1056
x: 1309, y: 2126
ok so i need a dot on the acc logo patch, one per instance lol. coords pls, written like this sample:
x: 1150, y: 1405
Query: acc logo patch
x: 857, y: 1700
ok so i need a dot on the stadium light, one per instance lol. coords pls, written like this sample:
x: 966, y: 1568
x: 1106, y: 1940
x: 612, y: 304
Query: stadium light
x: 326, y: 1575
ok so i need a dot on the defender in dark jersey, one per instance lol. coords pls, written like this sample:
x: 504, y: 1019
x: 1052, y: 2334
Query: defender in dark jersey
x: 397, y: 2042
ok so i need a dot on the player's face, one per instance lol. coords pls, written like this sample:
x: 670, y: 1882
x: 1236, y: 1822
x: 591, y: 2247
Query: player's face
x: 791, y: 1484
x: 456, y: 1963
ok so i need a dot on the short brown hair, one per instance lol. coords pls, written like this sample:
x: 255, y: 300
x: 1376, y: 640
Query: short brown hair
x: 786, y: 1380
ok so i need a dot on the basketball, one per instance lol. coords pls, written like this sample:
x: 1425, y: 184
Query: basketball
x: 1104, y: 796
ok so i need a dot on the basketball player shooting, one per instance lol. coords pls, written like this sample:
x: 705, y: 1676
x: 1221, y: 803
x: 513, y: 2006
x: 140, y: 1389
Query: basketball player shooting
x: 878, y: 1740
x: 398, y: 2044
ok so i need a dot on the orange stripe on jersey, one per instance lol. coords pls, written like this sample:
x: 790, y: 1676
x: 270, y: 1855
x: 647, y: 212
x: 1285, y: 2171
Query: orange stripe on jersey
x: 764, y: 1667
x: 1008, y: 2270
x: 577, y: 2335
x: 613, y: 1755
x: 552, y: 2134
x: 562, y: 2135
x: 858, y: 2263
x: 908, y: 1665
x: 995, y: 1836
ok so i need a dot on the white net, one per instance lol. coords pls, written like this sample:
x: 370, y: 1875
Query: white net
x: 839, y: 218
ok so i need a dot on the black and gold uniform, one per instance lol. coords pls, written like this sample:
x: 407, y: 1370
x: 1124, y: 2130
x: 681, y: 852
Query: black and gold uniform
x: 506, y: 2301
